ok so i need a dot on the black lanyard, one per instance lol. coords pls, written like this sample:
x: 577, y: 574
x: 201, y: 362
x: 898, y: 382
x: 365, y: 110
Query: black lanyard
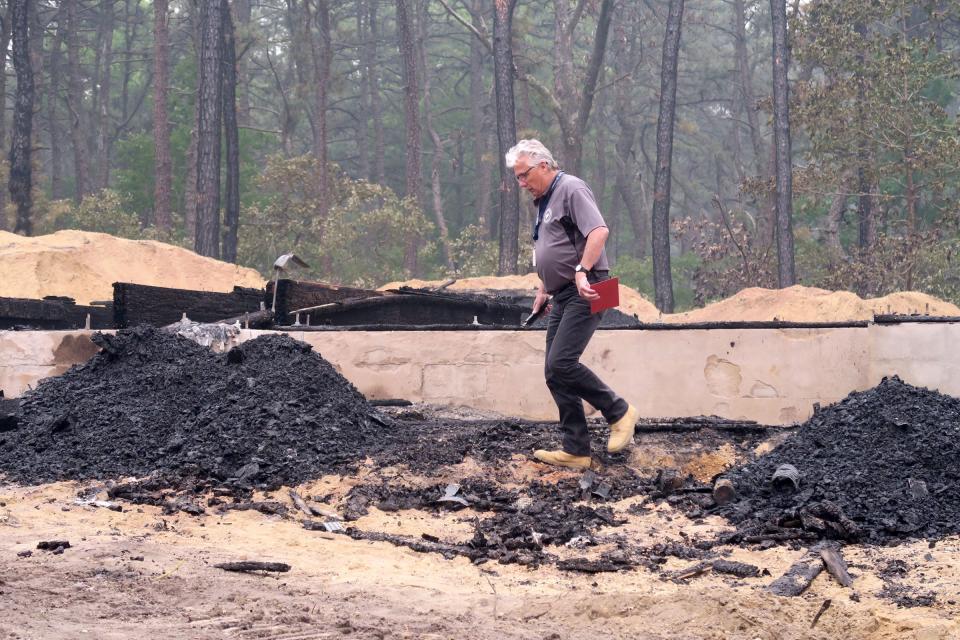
x: 542, y: 204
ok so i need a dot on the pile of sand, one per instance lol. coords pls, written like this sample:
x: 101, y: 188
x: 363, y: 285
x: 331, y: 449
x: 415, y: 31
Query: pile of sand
x: 793, y: 304
x: 809, y: 304
x: 84, y: 266
x: 632, y: 301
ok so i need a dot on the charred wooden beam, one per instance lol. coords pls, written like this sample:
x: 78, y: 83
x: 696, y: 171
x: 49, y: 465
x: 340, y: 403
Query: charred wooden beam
x: 297, y: 294
x: 52, y: 312
x: 135, y: 304
x: 253, y: 565
x: 836, y: 566
x: 797, y: 578
x: 423, y: 546
x: 411, y: 307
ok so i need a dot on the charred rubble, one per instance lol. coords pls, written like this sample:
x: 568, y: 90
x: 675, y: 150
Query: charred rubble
x: 878, y: 466
x: 268, y: 412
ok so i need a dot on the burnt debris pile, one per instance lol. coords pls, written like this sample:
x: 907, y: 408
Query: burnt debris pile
x: 268, y: 412
x: 519, y: 525
x: 878, y: 466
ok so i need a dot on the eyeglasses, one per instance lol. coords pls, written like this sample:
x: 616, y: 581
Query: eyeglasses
x: 522, y: 176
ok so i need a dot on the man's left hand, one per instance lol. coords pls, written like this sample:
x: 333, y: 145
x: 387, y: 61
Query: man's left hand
x: 583, y: 287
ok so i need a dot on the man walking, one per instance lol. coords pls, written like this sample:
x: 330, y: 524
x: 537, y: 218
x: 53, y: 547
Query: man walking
x: 568, y: 238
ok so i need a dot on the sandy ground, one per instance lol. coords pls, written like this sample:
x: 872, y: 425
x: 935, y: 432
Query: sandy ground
x: 809, y: 304
x: 140, y: 573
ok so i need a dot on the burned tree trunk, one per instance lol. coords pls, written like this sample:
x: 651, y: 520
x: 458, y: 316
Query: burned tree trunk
x: 210, y: 112
x: 231, y: 132
x: 21, y: 179
x: 436, y: 163
x: 4, y: 44
x: 626, y: 56
x: 786, y: 275
x: 594, y: 68
x: 411, y: 110
x: 662, y: 278
x: 163, y: 179
x: 478, y: 103
x: 53, y: 95
x: 321, y: 50
x: 747, y: 98
x: 242, y: 11
x: 75, y: 103
x: 106, y: 67
x: 371, y: 89
x: 867, y: 229
x: 506, y: 135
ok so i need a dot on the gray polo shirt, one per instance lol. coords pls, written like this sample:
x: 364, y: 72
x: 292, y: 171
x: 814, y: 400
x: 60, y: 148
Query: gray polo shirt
x: 570, y: 216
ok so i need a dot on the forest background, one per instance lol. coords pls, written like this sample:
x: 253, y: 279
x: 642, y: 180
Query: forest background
x: 366, y: 136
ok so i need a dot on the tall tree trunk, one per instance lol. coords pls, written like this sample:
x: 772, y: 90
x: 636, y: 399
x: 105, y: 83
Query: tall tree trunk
x: 103, y: 125
x: 594, y: 70
x: 866, y: 229
x: 478, y: 103
x: 411, y: 110
x: 298, y: 72
x: 831, y: 227
x: 376, y: 110
x: 362, y: 119
x: 53, y: 95
x: 662, y: 277
x: 626, y: 58
x: 786, y: 275
x: 129, y: 32
x: 75, y: 103
x: 243, y: 12
x: 573, y: 113
x: 231, y: 133
x: 4, y: 46
x: 321, y: 50
x: 210, y: 102
x: 565, y: 84
x: 21, y: 181
x: 747, y: 96
x: 436, y: 163
x: 190, y: 180
x: 506, y: 135
x: 163, y: 179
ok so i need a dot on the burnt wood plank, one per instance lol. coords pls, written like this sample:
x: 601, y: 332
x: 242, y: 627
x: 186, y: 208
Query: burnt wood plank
x: 54, y: 312
x: 135, y: 304
x: 299, y: 294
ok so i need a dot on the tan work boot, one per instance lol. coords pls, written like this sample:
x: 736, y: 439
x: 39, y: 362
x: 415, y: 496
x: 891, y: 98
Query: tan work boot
x: 621, y: 431
x: 562, y: 459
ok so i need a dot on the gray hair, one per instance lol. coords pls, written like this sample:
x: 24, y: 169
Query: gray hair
x: 532, y: 149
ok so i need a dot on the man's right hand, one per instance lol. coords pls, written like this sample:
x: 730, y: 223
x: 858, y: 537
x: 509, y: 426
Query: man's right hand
x: 541, y: 299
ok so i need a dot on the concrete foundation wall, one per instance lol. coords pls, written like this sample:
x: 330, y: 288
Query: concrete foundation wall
x: 772, y: 376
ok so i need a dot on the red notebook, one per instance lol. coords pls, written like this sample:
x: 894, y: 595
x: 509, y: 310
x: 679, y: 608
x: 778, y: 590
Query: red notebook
x: 609, y: 291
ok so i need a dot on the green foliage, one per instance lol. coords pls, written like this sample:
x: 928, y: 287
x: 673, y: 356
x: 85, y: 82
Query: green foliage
x: 103, y: 212
x: 360, y: 239
x: 638, y: 274
x: 472, y: 253
x: 135, y: 176
x: 877, y: 103
x: 923, y: 262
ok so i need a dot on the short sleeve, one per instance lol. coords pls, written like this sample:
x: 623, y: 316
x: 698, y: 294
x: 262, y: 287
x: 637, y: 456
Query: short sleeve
x: 584, y: 211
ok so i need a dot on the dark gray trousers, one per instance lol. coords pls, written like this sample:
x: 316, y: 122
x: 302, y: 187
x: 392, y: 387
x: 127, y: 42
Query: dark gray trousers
x: 569, y: 329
